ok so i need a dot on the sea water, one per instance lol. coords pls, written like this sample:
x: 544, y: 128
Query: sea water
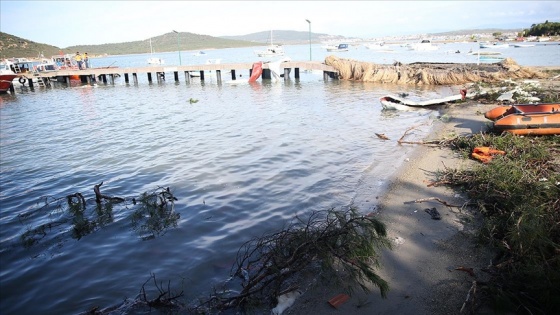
x: 242, y: 161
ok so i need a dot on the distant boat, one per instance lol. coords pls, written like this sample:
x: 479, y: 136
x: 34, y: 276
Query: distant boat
x: 493, y: 45
x: 339, y: 47
x: 543, y: 39
x: 522, y: 45
x: 272, y: 50
x: 424, y: 45
x: 375, y: 46
x: 200, y: 53
x: 484, y: 53
x: 154, y: 60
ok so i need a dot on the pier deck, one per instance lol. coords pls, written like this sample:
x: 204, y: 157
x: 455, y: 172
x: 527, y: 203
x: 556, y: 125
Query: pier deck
x: 160, y: 72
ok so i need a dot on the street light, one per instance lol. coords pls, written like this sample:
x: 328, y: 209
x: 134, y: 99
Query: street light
x: 309, y: 38
x: 179, y: 49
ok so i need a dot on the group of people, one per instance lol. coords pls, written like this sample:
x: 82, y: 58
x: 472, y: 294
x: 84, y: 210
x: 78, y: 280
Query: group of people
x: 82, y: 60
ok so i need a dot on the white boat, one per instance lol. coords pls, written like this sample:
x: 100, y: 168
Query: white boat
x: 339, y: 47
x: 154, y: 60
x: 522, y: 45
x: 375, y: 46
x: 493, y: 45
x: 393, y: 102
x: 275, y: 72
x: 543, y: 39
x: 424, y: 45
x: 490, y: 58
x: 484, y: 53
x: 272, y: 50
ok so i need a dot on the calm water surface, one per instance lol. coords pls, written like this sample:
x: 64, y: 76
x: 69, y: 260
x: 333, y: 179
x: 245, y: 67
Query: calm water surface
x: 242, y: 161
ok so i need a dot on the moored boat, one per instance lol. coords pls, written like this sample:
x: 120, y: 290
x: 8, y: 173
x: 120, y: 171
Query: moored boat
x: 526, y: 119
x: 339, y: 47
x: 493, y: 45
x: 272, y: 50
x: 7, y: 77
x: 424, y: 45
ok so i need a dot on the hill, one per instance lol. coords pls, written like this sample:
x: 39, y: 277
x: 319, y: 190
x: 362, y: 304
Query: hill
x: 13, y: 46
x: 284, y: 37
x: 476, y: 31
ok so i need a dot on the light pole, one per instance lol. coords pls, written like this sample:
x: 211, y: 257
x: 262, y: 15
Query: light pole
x: 309, y: 38
x: 178, y: 48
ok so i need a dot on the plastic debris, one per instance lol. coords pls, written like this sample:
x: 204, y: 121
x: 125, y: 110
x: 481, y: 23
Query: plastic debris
x: 284, y: 301
x: 485, y: 154
x: 339, y: 300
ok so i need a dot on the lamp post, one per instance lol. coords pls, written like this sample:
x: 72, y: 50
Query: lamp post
x: 309, y: 38
x: 178, y: 48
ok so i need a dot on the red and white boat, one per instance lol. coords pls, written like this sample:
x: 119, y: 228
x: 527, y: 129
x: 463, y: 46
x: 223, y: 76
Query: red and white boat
x: 7, y: 77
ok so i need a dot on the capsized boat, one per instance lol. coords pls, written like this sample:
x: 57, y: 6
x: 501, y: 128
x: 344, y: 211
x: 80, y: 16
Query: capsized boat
x: 400, y: 103
x: 526, y: 119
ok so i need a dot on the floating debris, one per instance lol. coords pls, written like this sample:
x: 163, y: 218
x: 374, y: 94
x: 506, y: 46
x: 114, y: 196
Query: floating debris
x: 431, y: 73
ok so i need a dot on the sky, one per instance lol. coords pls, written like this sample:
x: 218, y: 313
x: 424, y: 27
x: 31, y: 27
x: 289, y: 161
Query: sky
x: 69, y: 23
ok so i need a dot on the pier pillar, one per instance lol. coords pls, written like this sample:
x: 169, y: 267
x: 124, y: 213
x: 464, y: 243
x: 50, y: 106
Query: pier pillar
x: 104, y: 78
x: 219, y: 76
x: 286, y: 74
x: 88, y: 79
x: 67, y: 79
x: 296, y: 73
x: 126, y: 77
x: 187, y: 77
x: 150, y: 77
x: 201, y: 75
x: 135, y: 78
x: 176, y: 76
x: 266, y: 74
x: 233, y: 74
x: 12, y: 89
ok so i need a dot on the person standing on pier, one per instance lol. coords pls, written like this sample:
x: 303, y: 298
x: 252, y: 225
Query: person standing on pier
x: 78, y: 59
x: 86, y: 60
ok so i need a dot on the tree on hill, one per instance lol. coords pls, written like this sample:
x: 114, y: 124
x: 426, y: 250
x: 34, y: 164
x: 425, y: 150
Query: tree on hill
x: 544, y: 29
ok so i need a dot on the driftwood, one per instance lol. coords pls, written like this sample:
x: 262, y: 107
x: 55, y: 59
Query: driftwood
x: 423, y: 73
x: 443, y: 202
x: 99, y: 196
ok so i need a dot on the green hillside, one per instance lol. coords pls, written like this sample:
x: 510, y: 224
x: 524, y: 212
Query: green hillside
x: 13, y: 46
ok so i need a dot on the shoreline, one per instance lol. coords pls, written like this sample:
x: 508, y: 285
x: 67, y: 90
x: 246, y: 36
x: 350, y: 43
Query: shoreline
x: 420, y: 269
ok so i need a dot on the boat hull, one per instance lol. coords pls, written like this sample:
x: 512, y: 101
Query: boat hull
x: 526, y: 119
x: 504, y: 110
x: 6, y: 81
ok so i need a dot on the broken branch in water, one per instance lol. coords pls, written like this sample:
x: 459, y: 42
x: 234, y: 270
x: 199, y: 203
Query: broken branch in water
x: 99, y: 195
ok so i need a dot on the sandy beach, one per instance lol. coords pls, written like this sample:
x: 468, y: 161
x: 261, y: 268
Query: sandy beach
x: 421, y: 268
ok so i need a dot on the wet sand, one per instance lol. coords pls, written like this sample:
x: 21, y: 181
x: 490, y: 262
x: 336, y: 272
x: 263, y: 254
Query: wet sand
x: 421, y: 268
